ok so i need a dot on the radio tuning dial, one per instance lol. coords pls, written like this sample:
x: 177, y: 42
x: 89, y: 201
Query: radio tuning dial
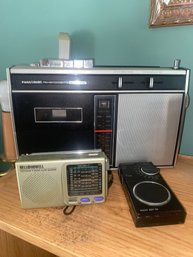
x: 150, y: 171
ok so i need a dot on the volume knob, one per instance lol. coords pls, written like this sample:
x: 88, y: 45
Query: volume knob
x: 149, y: 169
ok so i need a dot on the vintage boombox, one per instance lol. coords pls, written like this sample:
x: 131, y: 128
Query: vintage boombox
x: 131, y: 113
x: 59, y: 179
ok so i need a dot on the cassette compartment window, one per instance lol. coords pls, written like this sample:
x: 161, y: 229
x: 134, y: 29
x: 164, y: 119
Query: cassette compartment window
x: 57, y: 115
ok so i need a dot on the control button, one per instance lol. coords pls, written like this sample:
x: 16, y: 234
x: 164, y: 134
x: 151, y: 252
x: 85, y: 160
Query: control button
x: 99, y: 198
x: 176, y: 64
x: 151, y: 82
x: 120, y: 82
x: 85, y: 200
x: 104, y: 104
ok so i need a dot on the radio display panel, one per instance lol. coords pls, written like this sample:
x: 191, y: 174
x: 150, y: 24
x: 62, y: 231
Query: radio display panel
x: 84, y: 179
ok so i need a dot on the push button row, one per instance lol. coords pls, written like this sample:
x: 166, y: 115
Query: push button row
x: 96, y: 199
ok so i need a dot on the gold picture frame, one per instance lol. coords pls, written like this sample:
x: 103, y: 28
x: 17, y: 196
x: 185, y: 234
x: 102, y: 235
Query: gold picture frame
x: 171, y: 13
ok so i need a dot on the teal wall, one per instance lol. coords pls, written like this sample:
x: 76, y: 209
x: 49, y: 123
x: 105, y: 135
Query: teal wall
x: 110, y: 31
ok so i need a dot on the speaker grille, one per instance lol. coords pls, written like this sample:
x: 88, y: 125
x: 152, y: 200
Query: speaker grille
x: 148, y: 127
x: 40, y: 188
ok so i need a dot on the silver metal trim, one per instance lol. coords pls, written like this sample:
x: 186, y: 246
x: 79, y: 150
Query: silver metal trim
x: 12, y: 114
x: 150, y: 203
x: 97, y: 91
x: 187, y: 80
x: 182, y: 119
x: 98, y: 70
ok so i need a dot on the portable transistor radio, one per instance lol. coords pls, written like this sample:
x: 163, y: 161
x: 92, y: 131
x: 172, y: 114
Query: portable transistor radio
x: 58, y: 179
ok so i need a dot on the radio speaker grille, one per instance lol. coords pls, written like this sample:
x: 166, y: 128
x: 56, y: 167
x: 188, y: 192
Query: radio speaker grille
x: 39, y: 189
x: 148, y: 127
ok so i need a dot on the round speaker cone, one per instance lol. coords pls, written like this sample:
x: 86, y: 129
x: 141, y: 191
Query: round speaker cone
x: 151, y: 193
